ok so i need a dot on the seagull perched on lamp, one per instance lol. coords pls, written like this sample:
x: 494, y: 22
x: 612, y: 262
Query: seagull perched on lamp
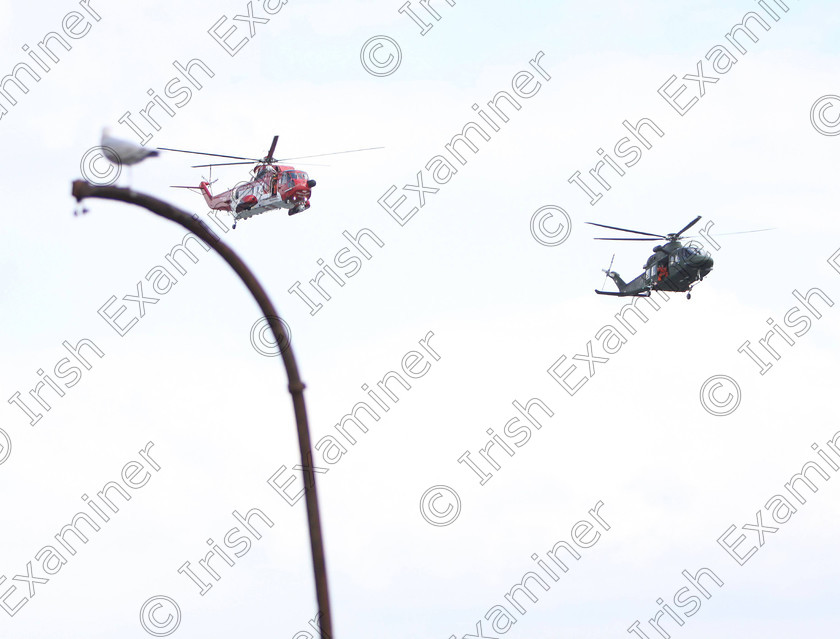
x: 122, y: 151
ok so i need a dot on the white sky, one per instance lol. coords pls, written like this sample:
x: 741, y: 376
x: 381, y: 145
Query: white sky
x: 503, y: 309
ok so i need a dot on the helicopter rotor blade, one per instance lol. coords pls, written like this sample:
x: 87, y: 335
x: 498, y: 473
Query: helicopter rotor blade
x: 269, y: 157
x: 772, y: 228
x: 310, y: 164
x: 199, y: 166
x: 618, y: 228
x: 319, y: 155
x: 216, y: 155
x: 679, y: 233
x: 629, y: 239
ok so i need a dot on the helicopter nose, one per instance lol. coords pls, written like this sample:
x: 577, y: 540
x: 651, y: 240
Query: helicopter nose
x: 698, y: 257
x: 703, y: 260
x: 310, y: 184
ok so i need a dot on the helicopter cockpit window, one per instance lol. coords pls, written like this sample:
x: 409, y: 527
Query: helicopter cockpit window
x: 290, y: 176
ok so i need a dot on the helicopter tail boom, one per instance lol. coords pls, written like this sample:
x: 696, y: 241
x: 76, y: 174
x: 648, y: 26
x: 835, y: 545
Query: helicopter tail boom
x: 219, y: 202
x: 615, y: 277
x: 634, y: 289
x: 620, y: 283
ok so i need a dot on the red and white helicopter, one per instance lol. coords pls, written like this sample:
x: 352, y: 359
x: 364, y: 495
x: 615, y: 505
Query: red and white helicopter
x: 273, y: 186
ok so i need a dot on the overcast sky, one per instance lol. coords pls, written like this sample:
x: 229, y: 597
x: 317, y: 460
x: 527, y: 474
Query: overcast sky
x: 672, y: 436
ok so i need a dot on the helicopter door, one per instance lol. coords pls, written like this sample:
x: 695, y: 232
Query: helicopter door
x: 285, y: 182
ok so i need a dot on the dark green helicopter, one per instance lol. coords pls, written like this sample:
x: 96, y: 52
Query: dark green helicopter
x: 672, y: 267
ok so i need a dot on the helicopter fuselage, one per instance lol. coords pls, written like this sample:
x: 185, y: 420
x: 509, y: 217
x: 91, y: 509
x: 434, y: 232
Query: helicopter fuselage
x: 672, y: 267
x: 274, y: 187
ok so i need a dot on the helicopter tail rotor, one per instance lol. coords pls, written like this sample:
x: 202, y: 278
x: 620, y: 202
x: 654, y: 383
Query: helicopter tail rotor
x: 608, y: 270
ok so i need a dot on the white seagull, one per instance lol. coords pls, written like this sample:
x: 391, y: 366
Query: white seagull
x: 122, y: 151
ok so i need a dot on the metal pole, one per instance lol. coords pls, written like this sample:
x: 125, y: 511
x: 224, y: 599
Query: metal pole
x: 82, y: 190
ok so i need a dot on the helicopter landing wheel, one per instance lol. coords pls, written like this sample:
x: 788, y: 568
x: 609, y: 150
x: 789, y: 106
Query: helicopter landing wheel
x: 234, y: 225
x: 688, y: 296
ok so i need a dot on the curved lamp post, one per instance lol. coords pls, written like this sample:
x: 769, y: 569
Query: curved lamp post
x: 82, y: 190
